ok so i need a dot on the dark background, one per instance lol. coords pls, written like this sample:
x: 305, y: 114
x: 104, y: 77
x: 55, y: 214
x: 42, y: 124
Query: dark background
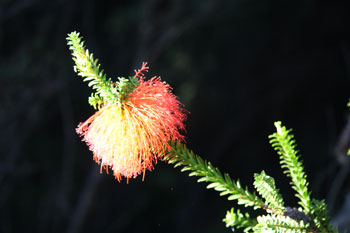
x: 238, y: 66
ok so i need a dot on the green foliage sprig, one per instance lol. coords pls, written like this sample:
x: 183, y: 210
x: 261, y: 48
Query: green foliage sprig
x: 265, y: 185
x: 310, y: 216
x: 239, y: 220
x: 181, y: 156
x: 87, y: 67
x: 280, y: 223
x: 282, y: 141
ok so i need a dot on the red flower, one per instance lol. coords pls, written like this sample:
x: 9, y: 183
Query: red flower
x: 129, y: 137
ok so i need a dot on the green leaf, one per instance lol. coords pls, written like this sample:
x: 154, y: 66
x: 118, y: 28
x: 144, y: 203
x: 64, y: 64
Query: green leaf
x: 282, y: 141
x: 181, y: 156
x: 88, y: 68
x: 319, y: 214
x: 238, y: 220
x: 279, y: 224
x: 265, y: 185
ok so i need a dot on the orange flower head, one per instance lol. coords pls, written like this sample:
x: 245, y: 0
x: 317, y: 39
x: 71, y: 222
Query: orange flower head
x: 130, y: 136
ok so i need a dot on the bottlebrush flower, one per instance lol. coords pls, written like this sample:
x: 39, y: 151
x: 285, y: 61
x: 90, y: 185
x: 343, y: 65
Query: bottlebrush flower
x: 129, y: 136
